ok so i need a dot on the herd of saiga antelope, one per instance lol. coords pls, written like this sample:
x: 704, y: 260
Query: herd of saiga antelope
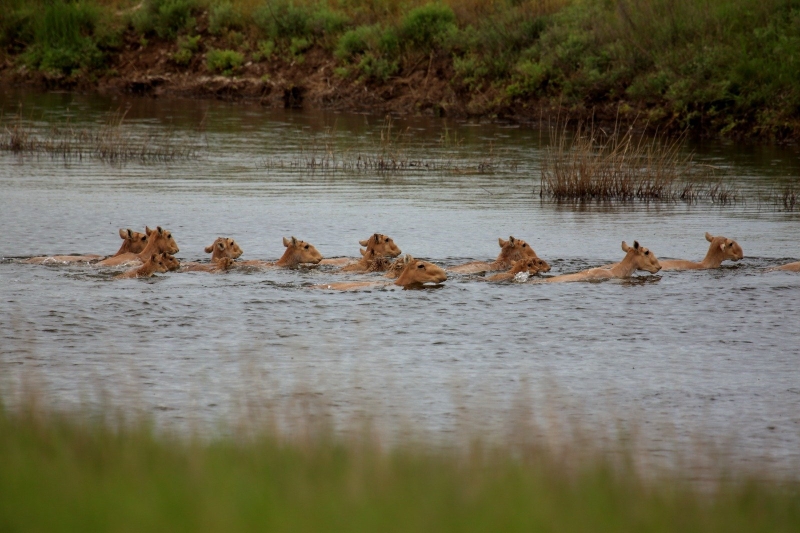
x: 153, y: 251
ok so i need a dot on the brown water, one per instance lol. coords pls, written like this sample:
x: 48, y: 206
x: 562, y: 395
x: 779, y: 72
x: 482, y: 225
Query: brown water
x: 678, y: 358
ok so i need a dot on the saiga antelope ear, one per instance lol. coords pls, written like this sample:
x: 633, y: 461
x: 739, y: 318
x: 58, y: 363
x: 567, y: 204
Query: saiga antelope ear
x: 160, y: 231
x: 364, y: 242
x: 635, y: 245
x: 512, y: 240
x: 709, y: 237
x: 147, y: 230
x: 363, y: 251
x: 209, y: 249
x: 294, y: 241
x: 408, y: 259
x: 722, y: 246
x: 287, y: 242
x: 124, y: 234
x: 625, y: 247
x: 221, y: 245
x: 502, y: 242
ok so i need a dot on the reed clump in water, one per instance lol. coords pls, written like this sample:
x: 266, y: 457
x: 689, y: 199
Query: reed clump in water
x: 390, y: 153
x: 787, y: 199
x: 590, y: 164
x: 111, y: 142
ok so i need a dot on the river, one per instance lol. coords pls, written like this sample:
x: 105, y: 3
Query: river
x: 677, y: 359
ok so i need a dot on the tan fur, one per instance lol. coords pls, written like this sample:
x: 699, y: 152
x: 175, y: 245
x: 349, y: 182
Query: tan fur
x: 510, y: 251
x: 382, y: 246
x: 721, y: 249
x: 370, y: 261
x: 220, y: 265
x: 789, y: 267
x: 171, y: 262
x: 297, y: 252
x: 154, y: 264
x: 395, y: 268
x: 531, y: 266
x: 379, y: 264
x: 159, y: 241
x: 415, y: 273
x: 132, y: 241
x: 636, y: 258
x: 223, y: 247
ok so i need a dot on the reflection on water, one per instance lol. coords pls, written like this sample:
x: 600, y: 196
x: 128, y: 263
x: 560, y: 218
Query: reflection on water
x: 681, y: 355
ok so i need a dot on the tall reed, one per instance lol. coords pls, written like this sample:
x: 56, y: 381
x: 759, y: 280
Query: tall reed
x: 592, y: 164
x: 111, y: 142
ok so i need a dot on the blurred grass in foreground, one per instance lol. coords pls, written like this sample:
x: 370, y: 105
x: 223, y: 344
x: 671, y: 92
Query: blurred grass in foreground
x: 66, y: 473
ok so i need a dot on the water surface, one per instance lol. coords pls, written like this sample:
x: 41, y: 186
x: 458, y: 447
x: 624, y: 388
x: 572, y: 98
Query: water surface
x: 679, y: 358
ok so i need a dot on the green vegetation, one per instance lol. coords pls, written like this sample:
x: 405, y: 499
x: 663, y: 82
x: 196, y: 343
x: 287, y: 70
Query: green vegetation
x: 224, y: 16
x: 62, y: 38
x: 187, y: 47
x: 66, y: 474
x: 165, y: 18
x: 224, y: 61
x: 718, y: 66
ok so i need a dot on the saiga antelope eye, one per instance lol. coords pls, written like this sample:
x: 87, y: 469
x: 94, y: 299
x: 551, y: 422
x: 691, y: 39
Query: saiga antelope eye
x: 306, y: 247
x: 524, y: 245
x: 420, y: 266
x: 647, y: 252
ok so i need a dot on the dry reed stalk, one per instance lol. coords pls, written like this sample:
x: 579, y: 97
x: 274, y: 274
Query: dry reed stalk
x: 390, y: 153
x: 786, y: 199
x: 790, y: 199
x: 594, y: 165
x: 110, y: 142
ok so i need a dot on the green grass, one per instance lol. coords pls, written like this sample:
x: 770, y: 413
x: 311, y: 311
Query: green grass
x: 60, y: 473
x: 725, y: 67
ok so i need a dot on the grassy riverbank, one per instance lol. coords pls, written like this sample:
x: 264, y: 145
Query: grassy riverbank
x: 63, y: 473
x: 716, y: 67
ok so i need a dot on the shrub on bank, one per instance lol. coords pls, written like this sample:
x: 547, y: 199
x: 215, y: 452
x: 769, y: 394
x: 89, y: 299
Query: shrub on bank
x: 224, y: 61
x: 165, y: 18
x: 427, y: 27
x: 224, y: 16
x: 63, y: 38
x: 186, y: 49
x: 17, y: 28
